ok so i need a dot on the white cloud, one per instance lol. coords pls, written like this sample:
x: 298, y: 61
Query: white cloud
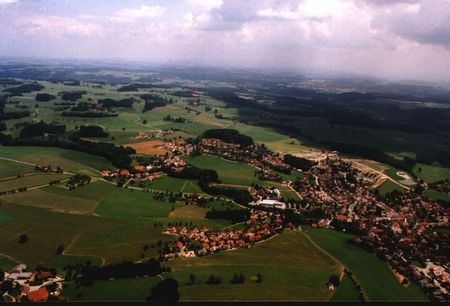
x: 205, y: 5
x: 130, y: 15
x: 58, y: 26
x: 7, y: 1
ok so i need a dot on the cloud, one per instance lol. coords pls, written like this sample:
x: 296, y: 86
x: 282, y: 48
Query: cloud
x: 391, y: 38
x: 2, y: 2
x: 205, y: 5
x: 58, y: 26
x: 423, y: 23
x: 391, y: 2
x: 144, y: 12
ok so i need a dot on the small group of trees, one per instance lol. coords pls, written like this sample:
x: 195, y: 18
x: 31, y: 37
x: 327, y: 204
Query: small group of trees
x: 72, y: 95
x: 234, y: 215
x: 174, y: 119
x: 41, y: 128
x: 45, y: 97
x: 23, y: 238
x: 238, y: 278
x: 92, y: 131
x: 78, y: 180
x: 298, y: 162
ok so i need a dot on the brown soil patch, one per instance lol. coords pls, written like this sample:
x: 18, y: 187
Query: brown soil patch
x: 148, y: 147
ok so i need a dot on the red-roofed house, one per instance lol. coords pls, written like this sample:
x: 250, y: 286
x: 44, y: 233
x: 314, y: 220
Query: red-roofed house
x: 40, y: 295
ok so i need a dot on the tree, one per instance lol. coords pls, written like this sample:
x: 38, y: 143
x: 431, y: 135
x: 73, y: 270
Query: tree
x: 23, y: 238
x: 165, y: 291
x: 334, y: 279
x: 60, y: 250
x: 259, y: 278
x: 6, y: 286
x: 192, y: 278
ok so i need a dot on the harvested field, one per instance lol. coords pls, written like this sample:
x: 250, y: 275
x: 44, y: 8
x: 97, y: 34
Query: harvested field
x: 148, y: 147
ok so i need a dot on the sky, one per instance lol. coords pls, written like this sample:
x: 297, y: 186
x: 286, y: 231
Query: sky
x: 391, y: 39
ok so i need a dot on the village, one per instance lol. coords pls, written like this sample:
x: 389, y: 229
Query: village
x: 39, y: 285
x: 399, y: 228
x: 201, y: 241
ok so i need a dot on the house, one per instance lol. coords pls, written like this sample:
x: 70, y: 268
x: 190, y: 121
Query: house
x: 330, y: 286
x: 124, y: 172
x: 106, y: 173
x: 40, y: 295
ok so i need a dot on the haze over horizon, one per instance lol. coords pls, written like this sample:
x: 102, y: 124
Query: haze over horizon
x: 393, y: 39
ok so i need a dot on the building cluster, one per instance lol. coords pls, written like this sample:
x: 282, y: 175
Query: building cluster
x: 268, y: 197
x: 177, y: 146
x: 256, y: 155
x: 21, y: 285
x: 202, y: 241
x: 402, y: 228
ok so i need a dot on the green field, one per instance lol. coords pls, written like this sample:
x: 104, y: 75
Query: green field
x: 392, y: 173
x: 61, y: 261
x: 173, y: 184
x: 134, y: 289
x: 34, y: 180
x: 103, y: 238
x: 133, y: 206
x: 68, y: 160
x: 52, y: 201
x: 436, y: 195
x: 346, y: 291
x: 388, y: 187
x: 291, y: 266
x: 94, y: 191
x: 229, y: 172
x: 10, y: 169
x: 431, y: 174
x: 373, y: 274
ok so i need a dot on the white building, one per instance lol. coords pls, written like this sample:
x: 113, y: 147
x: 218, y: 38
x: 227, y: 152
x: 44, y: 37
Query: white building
x: 270, y: 204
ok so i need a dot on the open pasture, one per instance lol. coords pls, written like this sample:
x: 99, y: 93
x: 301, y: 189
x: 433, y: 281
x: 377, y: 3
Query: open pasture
x: 230, y: 172
x: 52, y: 201
x: 133, y: 206
x: 377, y: 282
x: 430, y: 173
x: 173, y: 184
x: 11, y: 169
x: 68, y: 160
x: 30, y: 181
x: 102, y: 238
x: 292, y: 269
